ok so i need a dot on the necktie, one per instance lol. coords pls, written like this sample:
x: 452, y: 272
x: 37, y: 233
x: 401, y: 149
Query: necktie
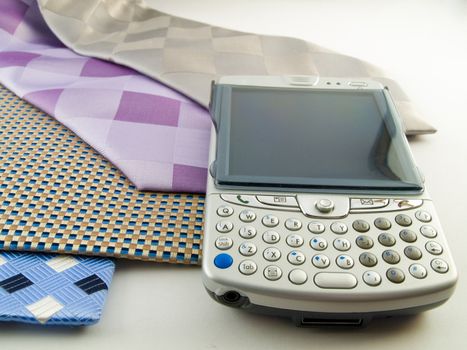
x: 57, y: 195
x: 53, y: 289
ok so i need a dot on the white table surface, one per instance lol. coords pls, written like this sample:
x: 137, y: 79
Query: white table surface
x: 423, y: 44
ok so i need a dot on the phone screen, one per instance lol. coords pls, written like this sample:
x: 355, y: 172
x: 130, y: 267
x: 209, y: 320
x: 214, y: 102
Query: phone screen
x: 313, y: 138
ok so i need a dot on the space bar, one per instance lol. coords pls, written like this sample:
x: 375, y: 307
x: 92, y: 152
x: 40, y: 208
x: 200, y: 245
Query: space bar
x: 337, y: 280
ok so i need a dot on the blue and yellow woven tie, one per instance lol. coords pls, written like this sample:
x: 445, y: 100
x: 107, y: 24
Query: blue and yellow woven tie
x: 53, y: 289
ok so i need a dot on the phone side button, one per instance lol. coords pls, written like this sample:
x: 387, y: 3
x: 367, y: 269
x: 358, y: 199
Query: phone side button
x: 335, y: 280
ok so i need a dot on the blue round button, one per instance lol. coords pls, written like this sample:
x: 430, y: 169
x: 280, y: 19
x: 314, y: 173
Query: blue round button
x: 223, y: 261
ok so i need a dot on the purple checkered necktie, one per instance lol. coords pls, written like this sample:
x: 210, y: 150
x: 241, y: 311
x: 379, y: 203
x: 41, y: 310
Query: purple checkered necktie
x: 157, y: 137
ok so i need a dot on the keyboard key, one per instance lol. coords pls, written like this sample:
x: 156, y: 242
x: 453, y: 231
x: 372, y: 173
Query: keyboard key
x: 223, y: 261
x: 247, y: 249
x: 395, y: 275
x: 339, y: 228
x: 247, y: 215
x: 247, y: 232
x: 296, y: 257
x: 247, y: 267
x: 271, y: 237
x: 368, y: 259
x: 293, y: 224
x: 318, y: 243
x: 382, y: 223
x: 361, y: 226
x: 364, y: 242
x: 344, y: 261
x: 270, y: 220
x: 224, y: 243
x: 403, y: 220
x: 408, y: 236
x: 272, y: 254
x: 272, y: 272
x: 298, y: 276
x: 224, y: 211
x: 294, y: 240
x: 412, y: 252
x: 224, y: 226
x: 316, y: 227
x: 334, y: 280
x: 372, y: 278
x: 320, y: 261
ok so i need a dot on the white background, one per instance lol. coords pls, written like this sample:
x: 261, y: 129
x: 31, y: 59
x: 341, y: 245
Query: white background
x: 423, y: 44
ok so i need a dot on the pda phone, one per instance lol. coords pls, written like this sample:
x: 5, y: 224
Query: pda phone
x: 315, y: 209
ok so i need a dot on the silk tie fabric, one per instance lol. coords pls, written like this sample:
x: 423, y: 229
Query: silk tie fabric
x: 58, y: 195
x: 188, y: 55
x: 157, y: 137
x: 53, y: 290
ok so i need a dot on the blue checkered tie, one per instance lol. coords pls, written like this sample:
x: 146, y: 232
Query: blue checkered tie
x: 53, y: 289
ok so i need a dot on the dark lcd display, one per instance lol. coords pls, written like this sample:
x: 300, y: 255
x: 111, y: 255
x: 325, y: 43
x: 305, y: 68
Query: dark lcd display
x: 314, y: 138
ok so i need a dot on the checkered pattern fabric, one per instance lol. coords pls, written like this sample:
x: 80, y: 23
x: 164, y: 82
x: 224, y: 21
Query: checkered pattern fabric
x: 188, y: 55
x: 58, y: 195
x: 53, y: 289
x: 154, y: 135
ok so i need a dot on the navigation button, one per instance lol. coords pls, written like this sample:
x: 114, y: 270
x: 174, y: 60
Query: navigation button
x: 335, y: 280
x: 240, y: 199
x: 325, y: 205
x: 281, y: 201
x: 408, y: 203
x: 368, y: 203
